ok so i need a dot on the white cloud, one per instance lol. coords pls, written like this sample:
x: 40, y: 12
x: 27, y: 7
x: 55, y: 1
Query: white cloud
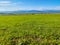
x: 8, y: 9
x: 9, y: 3
x: 9, y: 6
x: 57, y: 8
x: 49, y: 8
x: 4, y: 3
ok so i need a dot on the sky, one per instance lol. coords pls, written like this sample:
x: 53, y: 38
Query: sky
x: 13, y: 5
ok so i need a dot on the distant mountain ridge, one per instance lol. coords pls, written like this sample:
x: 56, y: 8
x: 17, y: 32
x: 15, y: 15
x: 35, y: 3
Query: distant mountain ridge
x: 30, y: 11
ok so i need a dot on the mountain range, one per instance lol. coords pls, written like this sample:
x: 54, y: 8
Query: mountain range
x: 29, y: 11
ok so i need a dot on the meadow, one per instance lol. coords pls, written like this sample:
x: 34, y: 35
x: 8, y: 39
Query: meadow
x: 30, y: 29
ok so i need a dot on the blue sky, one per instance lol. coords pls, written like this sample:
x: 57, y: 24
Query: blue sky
x: 13, y: 5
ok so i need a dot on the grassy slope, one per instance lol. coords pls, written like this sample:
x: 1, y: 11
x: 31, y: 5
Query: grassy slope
x: 38, y: 28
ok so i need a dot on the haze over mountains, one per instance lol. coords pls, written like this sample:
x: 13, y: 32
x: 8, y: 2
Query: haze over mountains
x: 29, y: 11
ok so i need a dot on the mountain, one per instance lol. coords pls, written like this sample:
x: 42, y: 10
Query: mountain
x: 30, y: 11
x: 27, y: 11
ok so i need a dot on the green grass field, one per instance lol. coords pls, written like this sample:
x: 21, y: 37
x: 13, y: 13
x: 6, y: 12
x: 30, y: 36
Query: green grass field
x: 38, y: 29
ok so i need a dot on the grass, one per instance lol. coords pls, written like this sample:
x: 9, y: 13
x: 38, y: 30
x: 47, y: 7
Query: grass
x: 28, y: 29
